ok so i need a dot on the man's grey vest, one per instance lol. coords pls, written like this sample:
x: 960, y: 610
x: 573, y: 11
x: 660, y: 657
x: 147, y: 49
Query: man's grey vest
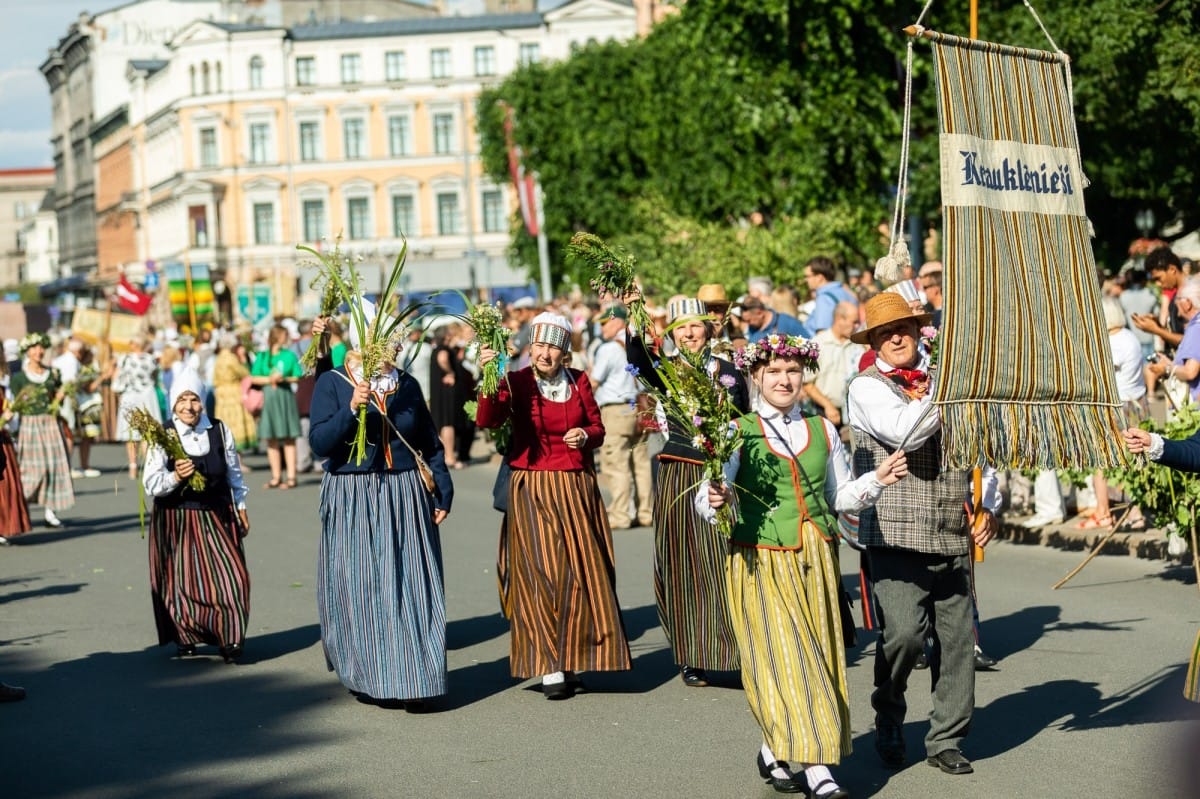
x: 923, y: 512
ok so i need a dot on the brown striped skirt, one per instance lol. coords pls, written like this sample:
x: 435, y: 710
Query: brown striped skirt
x: 689, y: 573
x: 14, y: 513
x: 557, y: 580
x: 198, y: 578
x: 784, y: 606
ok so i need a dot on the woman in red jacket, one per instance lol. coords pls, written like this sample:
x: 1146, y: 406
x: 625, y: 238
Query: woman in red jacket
x: 557, y: 581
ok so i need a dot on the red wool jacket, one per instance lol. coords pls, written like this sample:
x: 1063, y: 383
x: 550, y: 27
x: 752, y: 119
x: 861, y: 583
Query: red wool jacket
x: 538, y: 424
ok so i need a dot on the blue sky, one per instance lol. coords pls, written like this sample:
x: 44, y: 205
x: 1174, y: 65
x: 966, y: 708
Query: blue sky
x: 24, y: 96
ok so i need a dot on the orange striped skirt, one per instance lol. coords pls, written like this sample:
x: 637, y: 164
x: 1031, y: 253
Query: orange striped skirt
x: 557, y: 579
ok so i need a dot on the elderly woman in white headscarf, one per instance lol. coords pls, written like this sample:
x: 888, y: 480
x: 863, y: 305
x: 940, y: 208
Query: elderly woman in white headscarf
x: 558, y: 584
x: 198, y: 577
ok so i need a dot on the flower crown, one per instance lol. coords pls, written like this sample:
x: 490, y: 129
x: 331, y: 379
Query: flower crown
x: 777, y: 346
x: 33, y: 340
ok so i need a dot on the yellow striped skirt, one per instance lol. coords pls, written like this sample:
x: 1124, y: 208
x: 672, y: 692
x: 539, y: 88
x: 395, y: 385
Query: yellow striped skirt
x: 1191, y: 688
x: 784, y: 608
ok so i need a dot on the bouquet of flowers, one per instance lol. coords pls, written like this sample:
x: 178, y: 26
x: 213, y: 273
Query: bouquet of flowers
x: 932, y: 342
x: 696, y: 402
x: 488, y: 324
x: 613, y: 274
x: 331, y: 297
x: 153, y: 432
x: 381, y: 334
x: 30, y: 401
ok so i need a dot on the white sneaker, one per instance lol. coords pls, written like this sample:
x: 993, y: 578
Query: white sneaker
x: 91, y: 472
x: 52, y: 520
x: 1041, y: 521
x: 76, y: 474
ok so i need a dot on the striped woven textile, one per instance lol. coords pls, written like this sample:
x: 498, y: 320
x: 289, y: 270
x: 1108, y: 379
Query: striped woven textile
x: 557, y: 577
x: 689, y: 573
x: 198, y: 577
x: 1191, y: 688
x: 45, y: 469
x: 380, y: 592
x: 1026, y: 372
x: 784, y: 607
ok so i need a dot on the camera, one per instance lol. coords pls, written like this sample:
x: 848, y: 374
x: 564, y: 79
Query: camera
x: 1152, y: 357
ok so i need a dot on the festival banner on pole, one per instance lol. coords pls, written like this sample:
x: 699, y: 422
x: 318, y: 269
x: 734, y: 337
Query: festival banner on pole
x: 1026, y: 379
x: 190, y: 290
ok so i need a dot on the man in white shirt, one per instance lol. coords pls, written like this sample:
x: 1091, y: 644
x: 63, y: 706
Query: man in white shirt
x: 68, y: 366
x: 836, y: 364
x: 918, y: 539
x: 624, y: 456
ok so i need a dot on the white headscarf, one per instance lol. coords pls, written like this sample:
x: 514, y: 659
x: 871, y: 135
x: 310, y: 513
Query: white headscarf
x: 184, y: 381
x: 368, y: 311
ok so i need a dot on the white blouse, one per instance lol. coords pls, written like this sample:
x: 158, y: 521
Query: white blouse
x: 160, y: 481
x: 787, y: 434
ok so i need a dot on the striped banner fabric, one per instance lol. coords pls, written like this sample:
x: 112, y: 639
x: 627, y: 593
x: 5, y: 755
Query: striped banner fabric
x: 1026, y: 372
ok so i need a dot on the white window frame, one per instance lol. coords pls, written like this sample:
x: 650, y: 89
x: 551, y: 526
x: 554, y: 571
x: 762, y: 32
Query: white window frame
x: 485, y: 60
x: 255, y: 73
x: 351, y: 68
x: 318, y: 149
x: 395, y: 65
x: 407, y: 115
x: 529, y: 53
x: 441, y: 64
x: 216, y: 148
x: 264, y: 126
x: 363, y: 139
x: 451, y: 144
x: 484, y: 193
x: 307, y: 77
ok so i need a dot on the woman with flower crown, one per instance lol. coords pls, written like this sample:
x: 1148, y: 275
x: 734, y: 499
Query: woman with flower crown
x: 689, y: 555
x: 41, y: 451
x: 380, y: 587
x: 557, y: 578
x: 788, y: 481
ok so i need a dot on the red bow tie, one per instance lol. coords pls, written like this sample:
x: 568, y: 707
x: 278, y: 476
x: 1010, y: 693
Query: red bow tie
x: 914, y: 382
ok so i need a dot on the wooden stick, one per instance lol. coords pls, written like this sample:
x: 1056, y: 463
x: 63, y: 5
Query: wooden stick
x: 1096, y: 549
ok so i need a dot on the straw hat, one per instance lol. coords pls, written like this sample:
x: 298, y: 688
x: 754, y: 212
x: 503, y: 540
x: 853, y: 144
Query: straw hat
x: 713, y: 294
x: 883, y: 309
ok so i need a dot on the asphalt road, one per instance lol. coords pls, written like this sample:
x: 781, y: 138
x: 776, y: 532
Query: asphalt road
x: 1086, y: 701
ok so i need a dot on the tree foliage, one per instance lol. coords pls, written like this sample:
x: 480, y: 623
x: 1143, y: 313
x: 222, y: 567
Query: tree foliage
x: 740, y: 138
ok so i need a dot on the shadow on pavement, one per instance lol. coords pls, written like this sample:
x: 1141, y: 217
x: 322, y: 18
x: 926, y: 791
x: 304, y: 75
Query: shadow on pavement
x: 466, y: 633
x: 76, y: 527
x: 143, y: 724
x: 260, y: 648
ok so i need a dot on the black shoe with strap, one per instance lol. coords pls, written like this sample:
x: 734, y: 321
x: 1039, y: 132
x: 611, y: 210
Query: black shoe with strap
x: 693, y: 678
x: 780, y: 784
x: 889, y: 743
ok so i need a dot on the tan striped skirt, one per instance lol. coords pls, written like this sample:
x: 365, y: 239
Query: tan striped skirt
x: 557, y: 580
x: 784, y: 609
x: 45, y: 467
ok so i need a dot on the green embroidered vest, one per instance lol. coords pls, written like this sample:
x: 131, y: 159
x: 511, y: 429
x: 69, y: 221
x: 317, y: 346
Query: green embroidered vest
x: 776, y: 492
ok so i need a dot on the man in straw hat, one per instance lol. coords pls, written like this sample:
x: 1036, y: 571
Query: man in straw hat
x: 918, y: 538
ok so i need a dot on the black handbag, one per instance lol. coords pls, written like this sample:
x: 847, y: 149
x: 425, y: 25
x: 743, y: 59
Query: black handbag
x: 500, y: 487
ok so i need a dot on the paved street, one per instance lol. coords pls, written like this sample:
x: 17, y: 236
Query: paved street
x: 1086, y: 701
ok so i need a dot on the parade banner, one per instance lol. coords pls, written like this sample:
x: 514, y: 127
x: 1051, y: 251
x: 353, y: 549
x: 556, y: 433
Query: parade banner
x: 190, y: 291
x: 1026, y: 376
x: 94, y: 327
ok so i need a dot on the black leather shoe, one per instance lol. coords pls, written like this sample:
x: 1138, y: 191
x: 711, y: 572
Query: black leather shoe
x: 984, y: 662
x: 574, y: 682
x: 889, y: 743
x: 185, y: 650
x: 836, y: 792
x: 559, y: 690
x: 693, y: 678
x: 922, y: 662
x: 415, y: 706
x: 231, y: 653
x: 781, y: 785
x: 11, y: 693
x: 387, y: 704
x: 950, y: 761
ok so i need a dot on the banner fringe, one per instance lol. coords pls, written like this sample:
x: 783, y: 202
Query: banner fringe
x: 1010, y: 435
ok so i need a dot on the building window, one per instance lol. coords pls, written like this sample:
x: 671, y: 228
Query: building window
x: 256, y: 72
x: 485, y: 60
x: 217, y: 70
x: 260, y: 142
x: 395, y: 67
x: 351, y: 68
x: 198, y: 225
x: 310, y: 141
x: 353, y: 138
x: 443, y: 133
x: 447, y: 205
x: 530, y: 53
x: 208, y: 147
x: 399, y: 135
x: 264, y: 223
x: 439, y: 63
x: 306, y: 71
x: 314, y: 219
x: 358, y: 216
x: 205, y: 85
x: 403, y: 218
x: 493, y: 211
x: 192, y: 73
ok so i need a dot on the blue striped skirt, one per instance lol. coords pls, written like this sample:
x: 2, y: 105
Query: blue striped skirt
x: 380, y: 592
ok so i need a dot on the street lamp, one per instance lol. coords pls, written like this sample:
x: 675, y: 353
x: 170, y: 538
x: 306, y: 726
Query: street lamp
x: 1145, y: 222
